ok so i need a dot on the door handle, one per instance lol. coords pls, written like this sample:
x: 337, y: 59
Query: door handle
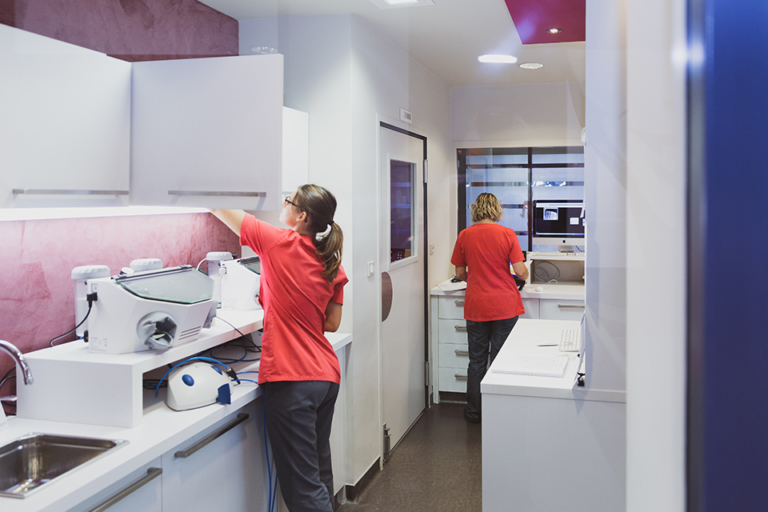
x: 386, y: 295
x: 460, y: 376
x: 460, y: 328
x: 571, y: 306
x: 461, y: 352
x: 459, y: 303
x: 183, y: 454
x: 152, y: 473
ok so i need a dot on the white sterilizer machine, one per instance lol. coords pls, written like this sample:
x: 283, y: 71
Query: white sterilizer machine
x: 151, y: 310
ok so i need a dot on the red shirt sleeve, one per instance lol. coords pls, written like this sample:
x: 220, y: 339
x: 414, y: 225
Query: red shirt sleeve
x: 258, y: 235
x: 515, y: 252
x: 338, y: 286
x: 458, y: 258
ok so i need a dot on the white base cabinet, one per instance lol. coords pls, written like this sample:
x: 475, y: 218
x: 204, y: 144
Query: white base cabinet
x: 141, y: 490
x: 220, y: 469
x: 448, y: 332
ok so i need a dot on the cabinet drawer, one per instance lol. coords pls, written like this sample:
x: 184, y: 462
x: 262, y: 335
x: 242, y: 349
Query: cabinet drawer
x: 554, y: 309
x: 453, y: 355
x: 453, y: 380
x: 531, y: 308
x: 452, y: 331
x: 451, y: 307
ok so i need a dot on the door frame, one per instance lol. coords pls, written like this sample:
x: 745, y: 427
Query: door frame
x: 390, y: 124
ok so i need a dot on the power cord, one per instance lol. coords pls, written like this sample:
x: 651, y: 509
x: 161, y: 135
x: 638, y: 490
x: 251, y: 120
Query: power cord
x: 91, y: 297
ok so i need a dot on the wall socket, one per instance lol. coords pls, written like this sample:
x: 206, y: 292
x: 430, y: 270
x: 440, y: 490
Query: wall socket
x: 371, y: 268
x: 431, y: 249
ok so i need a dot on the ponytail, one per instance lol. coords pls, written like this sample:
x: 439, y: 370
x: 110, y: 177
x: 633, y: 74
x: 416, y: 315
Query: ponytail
x: 320, y: 206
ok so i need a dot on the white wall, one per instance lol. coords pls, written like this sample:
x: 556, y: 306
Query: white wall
x: 656, y: 269
x: 605, y: 194
x: 344, y: 83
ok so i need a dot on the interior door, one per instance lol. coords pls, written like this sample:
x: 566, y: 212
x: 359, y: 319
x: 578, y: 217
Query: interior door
x: 402, y: 263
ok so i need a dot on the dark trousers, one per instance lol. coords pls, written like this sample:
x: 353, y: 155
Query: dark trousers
x: 483, y: 336
x: 299, y: 418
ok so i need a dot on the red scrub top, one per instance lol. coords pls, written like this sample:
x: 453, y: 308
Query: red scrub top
x: 294, y: 295
x: 487, y: 250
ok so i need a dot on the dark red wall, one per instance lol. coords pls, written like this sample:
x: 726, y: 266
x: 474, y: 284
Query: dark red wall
x: 129, y: 29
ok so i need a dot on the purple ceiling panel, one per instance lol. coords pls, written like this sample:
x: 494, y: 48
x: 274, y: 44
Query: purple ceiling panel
x: 532, y: 18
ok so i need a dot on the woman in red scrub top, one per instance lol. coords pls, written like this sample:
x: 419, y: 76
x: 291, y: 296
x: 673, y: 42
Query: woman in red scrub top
x: 301, y: 291
x: 492, y: 304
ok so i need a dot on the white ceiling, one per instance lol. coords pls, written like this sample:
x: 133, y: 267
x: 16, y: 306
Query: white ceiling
x: 446, y: 37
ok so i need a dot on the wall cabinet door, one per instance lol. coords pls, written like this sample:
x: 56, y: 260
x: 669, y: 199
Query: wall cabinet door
x: 141, y: 490
x: 228, y: 473
x: 65, y: 115
x: 208, y: 132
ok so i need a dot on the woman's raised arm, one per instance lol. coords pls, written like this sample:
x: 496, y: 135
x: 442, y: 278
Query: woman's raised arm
x: 232, y: 218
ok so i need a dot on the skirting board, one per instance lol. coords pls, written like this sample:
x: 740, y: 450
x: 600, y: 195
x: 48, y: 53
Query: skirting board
x: 353, y: 491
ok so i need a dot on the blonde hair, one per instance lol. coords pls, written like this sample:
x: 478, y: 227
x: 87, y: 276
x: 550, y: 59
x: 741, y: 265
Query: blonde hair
x: 320, y: 206
x: 486, y: 206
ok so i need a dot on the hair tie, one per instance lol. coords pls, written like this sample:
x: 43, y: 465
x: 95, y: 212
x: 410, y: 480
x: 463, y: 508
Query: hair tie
x: 331, y: 223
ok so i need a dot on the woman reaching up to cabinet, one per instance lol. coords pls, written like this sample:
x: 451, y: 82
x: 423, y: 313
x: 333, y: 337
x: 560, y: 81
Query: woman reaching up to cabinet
x: 301, y: 291
x: 482, y: 255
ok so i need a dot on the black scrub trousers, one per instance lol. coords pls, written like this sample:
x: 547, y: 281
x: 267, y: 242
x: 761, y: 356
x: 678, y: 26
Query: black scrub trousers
x: 482, y: 336
x: 299, y: 415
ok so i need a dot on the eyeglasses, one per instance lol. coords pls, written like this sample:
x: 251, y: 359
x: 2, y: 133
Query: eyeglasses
x: 287, y: 200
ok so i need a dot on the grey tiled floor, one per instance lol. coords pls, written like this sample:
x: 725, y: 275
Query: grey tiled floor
x: 436, y: 467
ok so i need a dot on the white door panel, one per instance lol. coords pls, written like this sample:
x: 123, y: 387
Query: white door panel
x: 401, y: 258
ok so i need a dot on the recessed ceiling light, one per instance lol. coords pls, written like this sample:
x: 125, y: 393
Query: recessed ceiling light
x: 497, y: 59
x: 531, y: 65
x: 554, y: 30
x: 391, y: 4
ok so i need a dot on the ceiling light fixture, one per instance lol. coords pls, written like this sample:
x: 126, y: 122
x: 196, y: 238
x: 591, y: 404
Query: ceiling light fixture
x: 531, y: 65
x: 497, y: 59
x: 554, y: 30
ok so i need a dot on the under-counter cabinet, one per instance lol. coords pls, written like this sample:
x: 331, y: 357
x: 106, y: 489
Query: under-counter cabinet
x: 448, y: 329
x: 65, y: 117
x: 208, y: 132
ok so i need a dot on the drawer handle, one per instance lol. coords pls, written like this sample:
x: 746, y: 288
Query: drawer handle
x: 461, y: 352
x: 218, y: 194
x: 183, y: 454
x: 68, y: 192
x: 460, y: 376
x: 152, y: 473
x: 460, y: 328
x: 571, y: 306
x: 459, y: 303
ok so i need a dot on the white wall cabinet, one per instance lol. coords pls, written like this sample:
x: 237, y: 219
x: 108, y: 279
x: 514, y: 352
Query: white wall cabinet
x: 208, y: 132
x: 220, y: 469
x: 295, y: 149
x: 65, y: 116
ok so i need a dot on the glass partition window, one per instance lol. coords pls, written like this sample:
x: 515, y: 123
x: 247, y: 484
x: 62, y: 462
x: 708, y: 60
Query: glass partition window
x: 517, y: 177
x: 402, y: 214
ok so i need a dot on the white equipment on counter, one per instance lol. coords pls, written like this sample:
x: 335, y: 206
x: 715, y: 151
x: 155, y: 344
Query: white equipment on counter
x: 216, y: 262
x: 197, y: 385
x: 144, y: 264
x: 80, y: 275
x: 240, y: 284
x: 152, y: 310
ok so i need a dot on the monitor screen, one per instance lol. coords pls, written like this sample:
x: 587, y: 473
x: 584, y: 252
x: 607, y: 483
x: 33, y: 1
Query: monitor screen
x: 558, y: 219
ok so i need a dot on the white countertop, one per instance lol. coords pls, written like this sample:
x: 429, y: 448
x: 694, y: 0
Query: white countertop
x: 549, y: 291
x: 161, y: 430
x: 523, y: 339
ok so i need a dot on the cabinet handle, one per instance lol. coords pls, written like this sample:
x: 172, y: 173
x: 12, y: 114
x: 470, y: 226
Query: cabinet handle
x: 460, y: 376
x: 571, y: 306
x: 461, y: 352
x: 459, y: 303
x: 460, y: 328
x: 152, y: 473
x: 68, y: 192
x: 183, y: 454
x: 218, y: 194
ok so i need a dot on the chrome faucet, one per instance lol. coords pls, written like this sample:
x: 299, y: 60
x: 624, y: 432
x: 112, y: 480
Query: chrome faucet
x: 19, y: 358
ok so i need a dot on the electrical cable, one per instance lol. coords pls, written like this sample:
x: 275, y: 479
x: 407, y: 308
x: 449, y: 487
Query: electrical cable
x: 90, y: 305
x: 198, y: 265
x: 537, y: 272
x: 7, y: 376
x: 247, y: 380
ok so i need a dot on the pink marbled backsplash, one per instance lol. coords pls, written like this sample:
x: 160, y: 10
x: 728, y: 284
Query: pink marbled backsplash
x: 37, y: 257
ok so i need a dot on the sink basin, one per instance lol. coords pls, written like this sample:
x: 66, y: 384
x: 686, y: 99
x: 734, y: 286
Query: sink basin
x: 30, y: 462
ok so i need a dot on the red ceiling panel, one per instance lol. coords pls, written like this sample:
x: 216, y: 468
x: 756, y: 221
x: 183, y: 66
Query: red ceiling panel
x: 532, y: 18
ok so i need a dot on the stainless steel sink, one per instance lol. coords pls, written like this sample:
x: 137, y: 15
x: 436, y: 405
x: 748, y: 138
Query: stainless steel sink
x: 30, y: 462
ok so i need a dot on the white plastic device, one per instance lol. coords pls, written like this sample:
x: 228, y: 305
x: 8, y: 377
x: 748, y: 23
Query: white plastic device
x: 196, y: 385
x: 240, y: 285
